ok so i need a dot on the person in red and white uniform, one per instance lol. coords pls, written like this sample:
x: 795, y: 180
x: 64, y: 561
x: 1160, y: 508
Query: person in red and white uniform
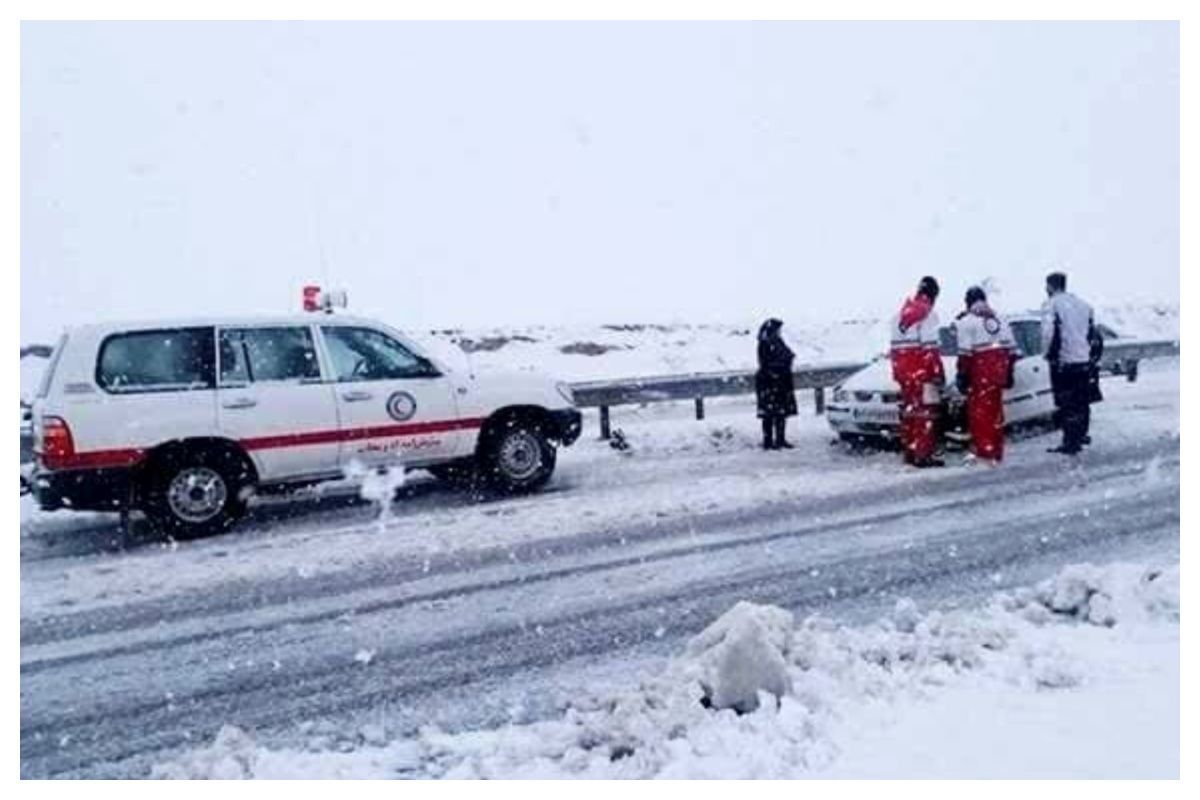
x: 917, y: 367
x: 986, y: 355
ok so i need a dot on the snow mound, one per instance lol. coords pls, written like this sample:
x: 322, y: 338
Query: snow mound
x: 742, y: 654
x: 1100, y: 596
x: 233, y: 755
x: 756, y: 695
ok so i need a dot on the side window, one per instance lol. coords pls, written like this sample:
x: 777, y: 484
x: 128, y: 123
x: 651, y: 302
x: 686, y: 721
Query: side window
x: 1028, y: 334
x: 156, y: 361
x: 250, y: 355
x: 948, y: 340
x: 363, y: 354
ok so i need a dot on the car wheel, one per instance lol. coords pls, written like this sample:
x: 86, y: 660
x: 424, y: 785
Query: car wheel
x: 519, y: 458
x: 194, y: 493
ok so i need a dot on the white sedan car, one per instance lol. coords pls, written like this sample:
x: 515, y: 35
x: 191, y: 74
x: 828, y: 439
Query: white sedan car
x: 867, y: 404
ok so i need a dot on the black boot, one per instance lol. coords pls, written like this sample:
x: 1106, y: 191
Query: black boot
x: 768, y: 426
x: 780, y: 427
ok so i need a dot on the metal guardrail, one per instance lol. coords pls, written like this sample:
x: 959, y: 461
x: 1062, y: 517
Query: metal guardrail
x: 697, y: 386
x: 1120, y: 358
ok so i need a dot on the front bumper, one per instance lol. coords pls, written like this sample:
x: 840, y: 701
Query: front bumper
x: 880, y: 421
x: 81, y: 489
x: 566, y: 425
x: 884, y: 421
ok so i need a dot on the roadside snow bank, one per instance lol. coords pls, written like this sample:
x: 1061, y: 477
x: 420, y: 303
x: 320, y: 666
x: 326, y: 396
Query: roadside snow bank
x: 1045, y: 681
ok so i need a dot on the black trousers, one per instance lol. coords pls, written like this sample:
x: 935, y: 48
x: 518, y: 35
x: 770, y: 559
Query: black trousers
x: 774, y: 428
x: 1072, y: 396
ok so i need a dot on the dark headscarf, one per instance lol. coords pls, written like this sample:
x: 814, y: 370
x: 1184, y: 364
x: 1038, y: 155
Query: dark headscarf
x: 773, y: 353
x: 769, y: 329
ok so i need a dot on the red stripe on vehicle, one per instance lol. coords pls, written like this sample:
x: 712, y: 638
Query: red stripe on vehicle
x: 358, y: 434
x: 101, y: 459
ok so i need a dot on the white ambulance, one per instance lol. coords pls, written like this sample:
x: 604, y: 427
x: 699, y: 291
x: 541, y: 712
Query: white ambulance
x: 186, y: 419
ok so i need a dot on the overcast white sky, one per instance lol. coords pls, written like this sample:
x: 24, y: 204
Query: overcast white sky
x: 454, y: 174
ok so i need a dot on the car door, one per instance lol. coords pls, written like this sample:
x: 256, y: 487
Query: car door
x: 394, y: 404
x: 272, y: 399
x: 1030, y: 397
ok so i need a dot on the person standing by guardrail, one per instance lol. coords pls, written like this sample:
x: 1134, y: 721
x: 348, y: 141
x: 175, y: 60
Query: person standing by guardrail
x: 1073, y: 349
x: 917, y: 367
x: 774, y: 385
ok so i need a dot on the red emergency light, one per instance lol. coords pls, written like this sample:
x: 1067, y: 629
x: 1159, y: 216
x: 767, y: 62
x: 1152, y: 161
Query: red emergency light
x: 317, y: 300
x: 312, y: 298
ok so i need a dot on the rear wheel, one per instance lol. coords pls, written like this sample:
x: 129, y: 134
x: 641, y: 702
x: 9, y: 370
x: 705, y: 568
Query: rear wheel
x: 518, y: 457
x: 189, y: 493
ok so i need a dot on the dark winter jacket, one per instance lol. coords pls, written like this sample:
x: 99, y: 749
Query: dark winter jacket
x: 774, y: 382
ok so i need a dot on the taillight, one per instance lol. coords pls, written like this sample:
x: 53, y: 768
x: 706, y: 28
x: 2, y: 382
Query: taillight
x: 56, y: 447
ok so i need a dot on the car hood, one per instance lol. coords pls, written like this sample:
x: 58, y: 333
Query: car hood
x: 877, y: 376
x: 505, y: 387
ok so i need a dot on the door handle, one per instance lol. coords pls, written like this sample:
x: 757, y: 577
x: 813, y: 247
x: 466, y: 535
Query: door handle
x: 240, y: 402
x: 356, y: 397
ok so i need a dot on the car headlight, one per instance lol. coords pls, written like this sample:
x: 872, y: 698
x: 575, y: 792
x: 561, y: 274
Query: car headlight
x: 840, y: 395
x: 564, y: 389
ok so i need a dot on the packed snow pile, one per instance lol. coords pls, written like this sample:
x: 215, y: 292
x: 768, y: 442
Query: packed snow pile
x: 232, y: 756
x: 743, y: 654
x: 757, y: 696
x: 1101, y: 597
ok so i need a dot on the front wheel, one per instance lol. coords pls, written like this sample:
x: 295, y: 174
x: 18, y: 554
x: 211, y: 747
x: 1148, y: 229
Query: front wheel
x: 519, y: 458
x: 189, y: 494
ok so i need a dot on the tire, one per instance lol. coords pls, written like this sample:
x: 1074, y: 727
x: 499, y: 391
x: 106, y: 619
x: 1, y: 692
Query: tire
x: 517, y: 457
x: 191, y: 493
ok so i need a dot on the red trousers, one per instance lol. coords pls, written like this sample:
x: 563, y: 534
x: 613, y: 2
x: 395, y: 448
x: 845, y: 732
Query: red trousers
x: 912, y: 368
x: 918, y: 422
x: 985, y: 402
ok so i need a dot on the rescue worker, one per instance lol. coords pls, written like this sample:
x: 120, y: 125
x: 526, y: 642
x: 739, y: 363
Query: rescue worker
x: 1069, y: 340
x: 987, y: 354
x: 775, y: 385
x: 917, y: 367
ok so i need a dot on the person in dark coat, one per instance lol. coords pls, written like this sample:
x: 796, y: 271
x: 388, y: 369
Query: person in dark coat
x: 775, y: 385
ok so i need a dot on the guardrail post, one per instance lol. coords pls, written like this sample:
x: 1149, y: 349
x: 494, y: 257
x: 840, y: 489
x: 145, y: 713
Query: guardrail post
x: 819, y: 400
x: 699, y: 408
x: 605, y: 430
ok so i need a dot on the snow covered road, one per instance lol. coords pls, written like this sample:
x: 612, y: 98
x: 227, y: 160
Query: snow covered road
x: 320, y: 614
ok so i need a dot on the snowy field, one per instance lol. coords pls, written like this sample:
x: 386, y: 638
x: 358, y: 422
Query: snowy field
x: 446, y: 635
x: 598, y: 352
